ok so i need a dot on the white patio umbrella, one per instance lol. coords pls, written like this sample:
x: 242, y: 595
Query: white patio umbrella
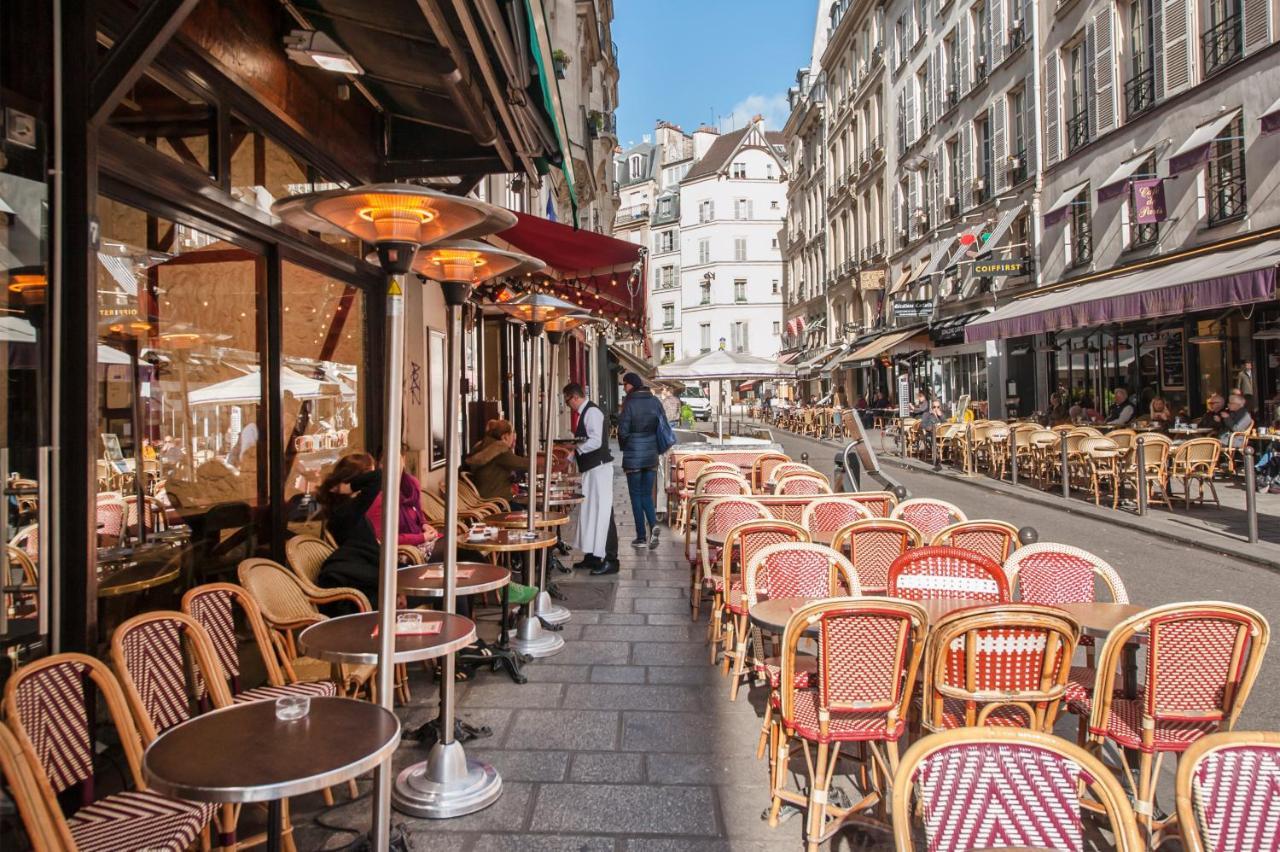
x: 722, y: 365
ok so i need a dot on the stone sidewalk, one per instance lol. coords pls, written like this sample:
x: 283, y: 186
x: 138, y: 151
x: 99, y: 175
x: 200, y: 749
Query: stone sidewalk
x: 625, y: 741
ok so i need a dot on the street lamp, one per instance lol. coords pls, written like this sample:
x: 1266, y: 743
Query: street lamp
x: 397, y: 219
x: 447, y: 783
x: 535, y: 310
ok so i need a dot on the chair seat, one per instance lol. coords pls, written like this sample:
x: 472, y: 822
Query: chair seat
x: 1124, y: 727
x: 313, y: 689
x: 138, y: 819
x: 953, y: 716
x: 844, y: 727
x: 1080, y: 684
x: 806, y: 668
x: 733, y: 600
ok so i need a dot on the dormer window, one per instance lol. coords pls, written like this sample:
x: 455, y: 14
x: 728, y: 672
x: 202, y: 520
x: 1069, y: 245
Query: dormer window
x: 635, y: 166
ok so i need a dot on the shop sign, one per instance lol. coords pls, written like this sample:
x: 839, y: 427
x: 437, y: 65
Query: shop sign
x: 904, y: 395
x: 1148, y: 197
x: 998, y: 268
x: 913, y: 309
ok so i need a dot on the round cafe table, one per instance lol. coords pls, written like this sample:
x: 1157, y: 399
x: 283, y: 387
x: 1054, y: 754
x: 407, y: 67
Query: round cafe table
x: 243, y: 753
x: 772, y: 615
x: 351, y: 638
x: 427, y: 580
x: 520, y: 520
x: 510, y: 541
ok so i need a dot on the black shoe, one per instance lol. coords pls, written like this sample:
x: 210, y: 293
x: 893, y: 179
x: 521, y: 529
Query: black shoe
x: 610, y: 566
x: 588, y: 561
x: 639, y: 541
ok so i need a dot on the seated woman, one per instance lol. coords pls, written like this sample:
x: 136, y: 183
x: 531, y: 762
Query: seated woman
x: 493, y: 461
x: 1160, y: 414
x: 414, y: 527
x: 346, y: 495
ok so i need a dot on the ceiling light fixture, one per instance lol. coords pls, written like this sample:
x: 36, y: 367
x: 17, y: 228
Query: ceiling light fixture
x: 318, y: 50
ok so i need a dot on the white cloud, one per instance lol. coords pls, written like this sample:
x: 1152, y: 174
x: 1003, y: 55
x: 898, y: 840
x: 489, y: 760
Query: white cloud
x: 774, y: 108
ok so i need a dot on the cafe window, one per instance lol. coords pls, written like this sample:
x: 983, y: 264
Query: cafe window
x: 1080, y: 231
x: 170, y: 117
x: 1224, y: 177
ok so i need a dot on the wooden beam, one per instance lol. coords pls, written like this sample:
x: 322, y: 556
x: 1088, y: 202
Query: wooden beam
x: 131, y: 55
x: 443, y: 167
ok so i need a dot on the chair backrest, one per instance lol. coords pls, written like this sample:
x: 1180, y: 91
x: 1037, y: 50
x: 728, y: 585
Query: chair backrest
x: 720, y: 467
x: 28, y: 538
x: 306, y: 555
x: 745, y: 540
x: 783, y: 468
x: 828, y: 514
x: 1098, y: 446
x: 282, y: 601
x: 868, y: 655
x: 996, y: 787
x: 1123, y: 438
x: 688, y: 467
x: 153, y: 516
x: 802, y: 482
x: 798, y: 571
x: 947, y: 572
x: 20, y: 561
x: 1199, y: 455
x: 1226, y: 793
x: 213, y: 606
x: 874, y: 544
x: 996, y: 539
x: 1155, y: 452
x: 1048, y: 573
x: 720, y: 516
x: 48, y: 705
x: 1088, y: 431
x: 928, y: 515
x: 1202, y: 660
x: 45, y: 833
x: 998, y: 665
x: 720, y: 483
x: 166, y: 663
x: 879, y: 503
x: 762, y: 468
x: 110, y: 513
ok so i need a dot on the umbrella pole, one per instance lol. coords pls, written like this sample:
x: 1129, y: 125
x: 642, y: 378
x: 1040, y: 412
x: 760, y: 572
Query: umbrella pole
x: 391, y: 432
x: 448, y: 783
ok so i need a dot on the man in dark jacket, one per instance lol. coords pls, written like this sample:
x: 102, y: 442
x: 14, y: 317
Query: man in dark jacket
x: 642, y: 414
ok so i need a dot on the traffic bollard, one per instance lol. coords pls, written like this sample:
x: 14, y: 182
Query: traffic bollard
x: 1251, y: 494
x: 937, y: 460
x: 1141, y: 463
x: 970, y: 462
x: 1013, y: 456
x: 804, y: 458
x: 1066, y: 470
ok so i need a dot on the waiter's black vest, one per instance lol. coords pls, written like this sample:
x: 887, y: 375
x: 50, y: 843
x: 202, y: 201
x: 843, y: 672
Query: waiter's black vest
x: 598, y: 456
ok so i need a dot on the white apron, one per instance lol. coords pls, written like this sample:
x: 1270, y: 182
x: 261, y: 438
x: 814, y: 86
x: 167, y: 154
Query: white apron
x: 592, y: 528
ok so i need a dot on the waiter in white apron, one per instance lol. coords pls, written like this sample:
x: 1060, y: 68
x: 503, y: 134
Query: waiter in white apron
x: 595, y: 534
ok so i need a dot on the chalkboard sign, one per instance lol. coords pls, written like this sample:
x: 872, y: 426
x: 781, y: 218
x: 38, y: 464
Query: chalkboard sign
x: 1173, y: 372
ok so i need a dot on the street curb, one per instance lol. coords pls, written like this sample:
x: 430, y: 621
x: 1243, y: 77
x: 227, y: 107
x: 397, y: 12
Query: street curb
x: 1230, y: 545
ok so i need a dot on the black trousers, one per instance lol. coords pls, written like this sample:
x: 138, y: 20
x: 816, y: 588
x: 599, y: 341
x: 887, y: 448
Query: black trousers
x: 611, y: 541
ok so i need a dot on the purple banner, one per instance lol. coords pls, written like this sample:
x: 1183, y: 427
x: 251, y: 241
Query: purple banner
x: 1197, y: 156
x: 1112, y: 190
x: 1148, y: 201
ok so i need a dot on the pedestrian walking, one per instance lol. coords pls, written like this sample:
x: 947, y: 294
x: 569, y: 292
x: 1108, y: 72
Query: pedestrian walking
x: 596, y: 534
x: 638, y: 436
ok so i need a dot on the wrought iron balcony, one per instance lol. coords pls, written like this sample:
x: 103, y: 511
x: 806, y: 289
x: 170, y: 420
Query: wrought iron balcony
x: 1226, y: 190
x: 1018, y: 167
x: 1223, y: 44
x: 1078, y: 131
x: 1081, y: 243
x: 1143, y: 234
x: 1140, y: 93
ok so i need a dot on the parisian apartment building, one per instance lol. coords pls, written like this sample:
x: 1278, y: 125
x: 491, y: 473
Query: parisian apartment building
x: 708, y: 206
x: 1008, y: 199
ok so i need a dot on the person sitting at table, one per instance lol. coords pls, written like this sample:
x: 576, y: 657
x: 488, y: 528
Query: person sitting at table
x: 880, y: 400
x: 1123, y: 410
x: 1235, y: 418
x: 346, y: 495
x: 493, y: 460
x: 1159, y: 413
x: 861, y: 402
x: 922, y: 406
x: 414, y: 527
x: 1059, y: 411
x: 1210, y: 419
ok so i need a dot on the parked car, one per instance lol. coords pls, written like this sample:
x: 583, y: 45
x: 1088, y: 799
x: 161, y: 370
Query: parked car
x: 699, y: 404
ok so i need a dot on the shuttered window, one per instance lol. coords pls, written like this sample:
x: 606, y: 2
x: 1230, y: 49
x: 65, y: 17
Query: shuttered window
x: 1257, y: 25
x: 1140, y: 86
x: 1104, y: 70
x: 1052, y: 110
x: 1178, y: 57
x: 1223, y: 42
x: 999, y: 144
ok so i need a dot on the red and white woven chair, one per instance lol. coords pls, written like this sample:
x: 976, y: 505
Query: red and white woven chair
x: 928, y: 515
x: 782, y: 469
x: 980, y: 788
x: 44, y: 833
x: 716, y: 519
x: 1227, y: 793
x: 996, y: 539
x: 110, y: 513
x: 47, y: 706
x: 1004, y: 665
x: 762, y: 469
x: 872, y: 545
x: 947, y: 572
x: 825, y: 515
x: 802, y: 482
x: 1049, y: 574
x: 686, y: 473
x: 708, y: 488
x: 1202, y: 659
x: 879, y: 504
x: 867, y: 657
x: 742, y: 544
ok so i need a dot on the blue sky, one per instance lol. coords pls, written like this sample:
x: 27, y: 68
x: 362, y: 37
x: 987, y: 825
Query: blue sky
x: 693, y: 61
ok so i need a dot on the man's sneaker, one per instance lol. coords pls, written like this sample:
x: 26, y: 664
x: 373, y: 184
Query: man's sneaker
x: 653, y: 538
x: 639, y: 541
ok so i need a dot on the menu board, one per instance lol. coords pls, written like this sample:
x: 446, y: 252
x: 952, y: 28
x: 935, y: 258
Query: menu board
x: 1173, y: 368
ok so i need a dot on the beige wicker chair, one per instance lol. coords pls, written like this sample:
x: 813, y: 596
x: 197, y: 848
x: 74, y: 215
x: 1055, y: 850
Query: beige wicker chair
x: 1103, y: 460
x: 306, y: 555
x: 1196, y: 461
x: 1155, y: 458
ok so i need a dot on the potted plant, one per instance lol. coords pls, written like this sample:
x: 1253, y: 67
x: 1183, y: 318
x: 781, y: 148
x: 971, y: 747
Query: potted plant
x: 559, y: 61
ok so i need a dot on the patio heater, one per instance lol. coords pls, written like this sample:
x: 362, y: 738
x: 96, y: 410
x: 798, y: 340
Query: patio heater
x: 447, y: 783
x: 397, y: 219
x: 536, y: 310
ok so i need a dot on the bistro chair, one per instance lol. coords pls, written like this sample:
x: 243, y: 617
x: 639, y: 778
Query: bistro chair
x: 880, y: 504
x: 110, y: 512
x: 994, y: 450
x: 762, y: 468
x: 1044, y: 444
x: 868, y: 652
x: 996, y: 539
x: 43, y: 832
x: 153, y: 514
x: 1226, y: 793
x: 707, y: 489
x: 720, y: 516
x: 1124, y: 438
x: 947, y: 572
x: 1233, y: 450
x: 872, y: 545
x: 742, y: 543
x: 1202, y: 659
x: 49, y: 704
x: 802, y: 482
x: 1004, y: 665
x: 1102, y: 462
x: 981, y: 788
x: 928, y: 515
x: 28, y: 540
x: 169, y: 672
x: 1153, y: 456
x: 782, y: 469
x: 825, y: 515
x: 687, y: 469
x: 1196, y: 461
x: 21, y: 597
x: 306, y: 555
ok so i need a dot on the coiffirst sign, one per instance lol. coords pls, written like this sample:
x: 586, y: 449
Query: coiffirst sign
x: 995, y: 267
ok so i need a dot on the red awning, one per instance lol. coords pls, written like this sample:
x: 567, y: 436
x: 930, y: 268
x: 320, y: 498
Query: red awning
x: 746, y: 386
x: 589, y: 268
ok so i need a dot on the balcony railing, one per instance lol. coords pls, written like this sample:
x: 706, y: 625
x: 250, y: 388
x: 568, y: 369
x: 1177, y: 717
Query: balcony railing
x: 1078, y: 130
x: 1140, y: 93
x: 1081, y: 243
x: 1223, y: 44
x: 632, y: 213
x: 877, y: 249
x: 1143, y: 234
x: 1018, y: 166
x: 1226, y: 189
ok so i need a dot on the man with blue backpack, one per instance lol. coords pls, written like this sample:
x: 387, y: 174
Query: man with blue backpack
x: 644, y: 435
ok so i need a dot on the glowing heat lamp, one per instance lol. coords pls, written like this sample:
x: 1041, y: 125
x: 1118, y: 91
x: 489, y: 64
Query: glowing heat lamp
x: 29, y: 284
x: 538, y: 308
x: 471, y: 262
